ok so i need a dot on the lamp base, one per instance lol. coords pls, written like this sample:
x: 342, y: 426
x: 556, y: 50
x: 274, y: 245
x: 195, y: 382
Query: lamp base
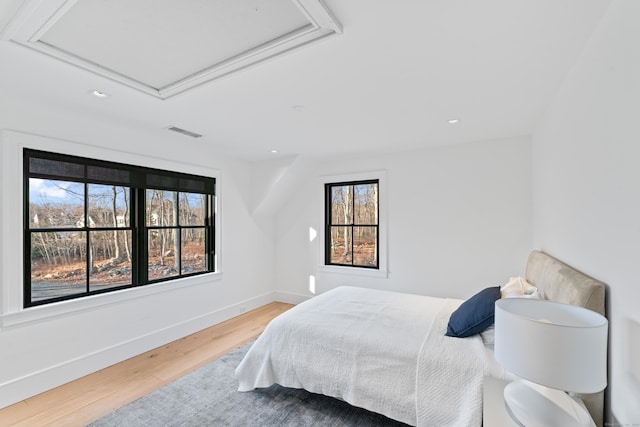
x: 533, y: 405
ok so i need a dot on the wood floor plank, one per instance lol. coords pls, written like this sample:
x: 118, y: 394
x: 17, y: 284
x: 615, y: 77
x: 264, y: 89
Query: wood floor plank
x: 82, y: 401
x: 14, y: 413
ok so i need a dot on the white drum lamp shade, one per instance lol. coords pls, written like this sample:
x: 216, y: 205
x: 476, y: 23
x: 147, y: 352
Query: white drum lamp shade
x: 559, y: 346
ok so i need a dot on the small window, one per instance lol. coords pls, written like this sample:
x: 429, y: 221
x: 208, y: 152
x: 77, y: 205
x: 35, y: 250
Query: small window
x: 351, y: 224
x: 93, y: 226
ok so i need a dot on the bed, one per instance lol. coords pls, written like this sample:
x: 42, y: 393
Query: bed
x: 387, y: 351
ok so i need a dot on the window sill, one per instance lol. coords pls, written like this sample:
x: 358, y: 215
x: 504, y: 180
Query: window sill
x: 48, y: 311
x: 353, y: 271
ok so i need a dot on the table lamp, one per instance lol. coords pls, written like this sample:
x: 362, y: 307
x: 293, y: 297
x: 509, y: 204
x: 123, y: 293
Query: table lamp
x: 557, y: 348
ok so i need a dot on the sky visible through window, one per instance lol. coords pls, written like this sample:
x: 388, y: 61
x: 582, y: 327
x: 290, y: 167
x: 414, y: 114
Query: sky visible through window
x: 62, y: 192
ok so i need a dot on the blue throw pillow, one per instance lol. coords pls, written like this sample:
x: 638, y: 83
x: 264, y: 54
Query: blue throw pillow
x: 475, y: 314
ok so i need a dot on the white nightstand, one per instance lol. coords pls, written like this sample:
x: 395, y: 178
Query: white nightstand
x: 494, y: 413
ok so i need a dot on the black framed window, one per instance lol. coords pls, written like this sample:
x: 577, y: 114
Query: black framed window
x: 351, y: 224
x: 92, y: 226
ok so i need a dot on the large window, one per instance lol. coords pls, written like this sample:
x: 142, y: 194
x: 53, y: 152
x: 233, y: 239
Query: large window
x: 92, y: 226
x: 351, y: 224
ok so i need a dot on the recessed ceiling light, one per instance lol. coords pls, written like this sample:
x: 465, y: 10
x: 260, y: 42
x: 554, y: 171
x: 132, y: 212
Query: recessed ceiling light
x: 98, y: 94
x: 274, y: 151
x: 453, y: 121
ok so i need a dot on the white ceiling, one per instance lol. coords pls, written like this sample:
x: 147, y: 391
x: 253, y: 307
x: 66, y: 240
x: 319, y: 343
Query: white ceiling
x: 164, y: 47
x: 391, y: 81
x: 159, y: 45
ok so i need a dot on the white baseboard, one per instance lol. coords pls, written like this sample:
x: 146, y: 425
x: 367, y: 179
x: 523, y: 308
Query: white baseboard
x: 18, y: 389
x: 290, y: 297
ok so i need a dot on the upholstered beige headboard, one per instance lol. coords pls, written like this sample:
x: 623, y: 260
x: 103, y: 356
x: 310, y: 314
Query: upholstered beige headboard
x: 556, y: 281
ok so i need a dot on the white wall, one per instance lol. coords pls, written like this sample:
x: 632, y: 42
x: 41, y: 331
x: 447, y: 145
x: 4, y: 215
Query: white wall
x: 42, y: 347
x: 459, y: 220
x: 586, y: 186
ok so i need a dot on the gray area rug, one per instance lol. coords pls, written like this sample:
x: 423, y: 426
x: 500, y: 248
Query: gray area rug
x: 209, y: 397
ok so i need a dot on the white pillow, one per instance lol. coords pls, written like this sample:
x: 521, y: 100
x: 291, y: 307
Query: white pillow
x: 518, y: 287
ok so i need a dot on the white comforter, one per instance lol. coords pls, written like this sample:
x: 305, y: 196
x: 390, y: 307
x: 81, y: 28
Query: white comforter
x: 382, y: 351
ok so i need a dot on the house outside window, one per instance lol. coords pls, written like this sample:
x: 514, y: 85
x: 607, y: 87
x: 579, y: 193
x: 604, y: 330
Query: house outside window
x: 352, y: 232
x: 93, y: 226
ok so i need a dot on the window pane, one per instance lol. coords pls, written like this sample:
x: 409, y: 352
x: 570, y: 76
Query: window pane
x: 111, y: 259
x: 57, y: 168
x: 160, y: 209
x: 193, y: 250
x: 55, y: 204
x: 365, y: 246
x: 340, y: 250
x: 58, y: 264
x: 341, y: 204
x: 195, y: 184
x: 192, y: 208
x: 111, y: 174
x: 366, y: 204
x: 108, y: 206
x: 162, y: 253
x: 161, y: 181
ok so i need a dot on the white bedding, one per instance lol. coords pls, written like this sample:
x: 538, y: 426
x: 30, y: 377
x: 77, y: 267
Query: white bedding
x: 379, y: 350
x: 450, y: 375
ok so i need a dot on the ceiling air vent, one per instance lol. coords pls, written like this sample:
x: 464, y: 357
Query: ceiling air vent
x: 185, y: 132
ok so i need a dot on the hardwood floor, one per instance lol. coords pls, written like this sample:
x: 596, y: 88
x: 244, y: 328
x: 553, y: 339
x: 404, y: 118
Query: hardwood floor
x: 79, y: 402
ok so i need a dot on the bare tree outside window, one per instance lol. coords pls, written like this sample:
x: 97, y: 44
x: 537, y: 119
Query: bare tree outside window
x: 352, y: 224
x: 71, y: 249
x: 176, y: 222
x: 93, y: 226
